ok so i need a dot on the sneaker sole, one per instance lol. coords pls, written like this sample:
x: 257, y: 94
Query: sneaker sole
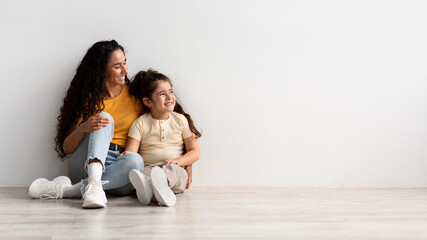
x: 161, y: 190
x: 93, y: 205
x: 142, y: 187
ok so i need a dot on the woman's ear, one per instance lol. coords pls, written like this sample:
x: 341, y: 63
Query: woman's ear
x: 146, y: 102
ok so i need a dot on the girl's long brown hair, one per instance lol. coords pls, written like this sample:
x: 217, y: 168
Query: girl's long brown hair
x: 143, y: 85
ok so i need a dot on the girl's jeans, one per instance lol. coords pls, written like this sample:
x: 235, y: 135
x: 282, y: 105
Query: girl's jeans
x: 116, y: 170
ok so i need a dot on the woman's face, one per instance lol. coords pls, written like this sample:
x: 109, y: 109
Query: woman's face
x: 117, y: 68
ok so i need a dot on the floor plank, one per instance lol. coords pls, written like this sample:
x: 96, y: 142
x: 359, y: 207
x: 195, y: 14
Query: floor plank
x: 224, y: 213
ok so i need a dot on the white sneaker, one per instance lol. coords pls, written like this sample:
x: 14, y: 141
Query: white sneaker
x: 94, y: 196
x: 64, y: 180
x: 161, y: 189
x: 45, y: 189
x: 142, y: 185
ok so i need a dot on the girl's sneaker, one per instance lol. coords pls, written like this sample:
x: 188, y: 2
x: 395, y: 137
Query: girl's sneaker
x: 45, y: 189
x: 162, y: 192
x: 142, y: 185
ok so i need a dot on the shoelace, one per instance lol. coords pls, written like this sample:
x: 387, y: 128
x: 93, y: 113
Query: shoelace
x: 94, y: 187
x: 53, y: 192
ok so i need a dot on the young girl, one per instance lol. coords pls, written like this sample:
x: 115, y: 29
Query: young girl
x: 165, y: 136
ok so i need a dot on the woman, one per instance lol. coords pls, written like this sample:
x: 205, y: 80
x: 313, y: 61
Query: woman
x: 92, y: 130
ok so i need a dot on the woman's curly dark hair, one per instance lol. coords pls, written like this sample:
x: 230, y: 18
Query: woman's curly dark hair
x: 143, y: 85
x: 85, y: 95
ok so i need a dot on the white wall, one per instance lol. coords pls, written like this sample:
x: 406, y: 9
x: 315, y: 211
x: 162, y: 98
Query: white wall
x: 288, y: 93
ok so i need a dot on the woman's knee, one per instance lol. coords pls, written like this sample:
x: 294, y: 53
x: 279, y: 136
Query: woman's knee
x: 133, y: 161
x: 107, y: 115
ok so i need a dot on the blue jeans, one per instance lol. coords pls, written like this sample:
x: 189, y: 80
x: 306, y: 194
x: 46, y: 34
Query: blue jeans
x: 116, y: 170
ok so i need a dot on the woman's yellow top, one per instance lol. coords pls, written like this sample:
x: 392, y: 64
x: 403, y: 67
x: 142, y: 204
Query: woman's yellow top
x: 124, y: 109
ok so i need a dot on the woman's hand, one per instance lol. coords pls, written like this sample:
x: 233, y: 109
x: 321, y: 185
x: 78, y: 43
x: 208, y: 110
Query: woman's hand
x: 79, y: 131
x: 94, y: 122
x: 189, y: 170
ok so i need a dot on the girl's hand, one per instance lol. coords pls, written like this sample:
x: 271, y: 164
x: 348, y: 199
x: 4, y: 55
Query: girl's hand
x: 173, y: 161
x: 123, y: 153
x: 94, y: 122
x: 189, y: 170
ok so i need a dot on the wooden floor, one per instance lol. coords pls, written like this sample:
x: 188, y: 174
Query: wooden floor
x: 224, y: 213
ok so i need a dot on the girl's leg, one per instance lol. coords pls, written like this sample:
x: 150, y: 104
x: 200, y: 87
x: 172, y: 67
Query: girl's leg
x: 147, y: 171
x: 161, y: 190
x: 141, y: 182
x: 177, y: 177
x: 165, y: 182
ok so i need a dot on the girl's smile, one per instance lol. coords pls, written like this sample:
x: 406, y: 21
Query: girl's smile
x: 162, y: 101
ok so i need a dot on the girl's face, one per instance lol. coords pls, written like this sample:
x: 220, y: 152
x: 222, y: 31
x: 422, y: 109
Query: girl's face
x: 162, y: 100
x: 117, y: 68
